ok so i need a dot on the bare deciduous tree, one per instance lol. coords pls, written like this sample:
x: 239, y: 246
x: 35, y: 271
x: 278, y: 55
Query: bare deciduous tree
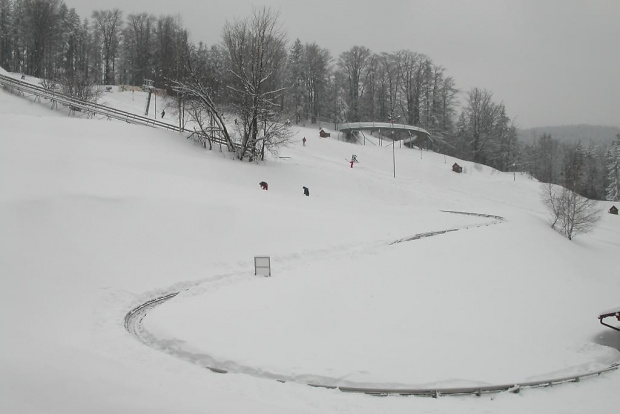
x: 80, y: 86
x: 257, y: 49
x: 353, y: 64
x: 109, y: 23
x: 571, y: 213
x: 200, y: 101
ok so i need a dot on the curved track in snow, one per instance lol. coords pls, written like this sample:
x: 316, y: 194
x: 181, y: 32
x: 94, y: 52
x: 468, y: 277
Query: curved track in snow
x: 133, y: 325
x: 496, y: 220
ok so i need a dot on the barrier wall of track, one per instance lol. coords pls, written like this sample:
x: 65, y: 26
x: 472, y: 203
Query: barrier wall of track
x: 133, y: 321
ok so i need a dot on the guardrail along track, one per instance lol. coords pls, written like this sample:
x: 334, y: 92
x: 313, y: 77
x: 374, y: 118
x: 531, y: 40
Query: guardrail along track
x: 92, y: 109
x: 133, y: 320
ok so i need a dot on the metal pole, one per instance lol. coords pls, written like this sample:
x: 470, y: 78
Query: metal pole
x: 393, y: 159
x: 393, y: 145
x: 514, y: 171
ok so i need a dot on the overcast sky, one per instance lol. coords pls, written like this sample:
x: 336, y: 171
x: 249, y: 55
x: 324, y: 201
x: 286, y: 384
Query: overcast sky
x: 551, y: 62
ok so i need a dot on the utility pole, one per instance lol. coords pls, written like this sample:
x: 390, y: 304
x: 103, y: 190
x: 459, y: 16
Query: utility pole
x: 393, y: 144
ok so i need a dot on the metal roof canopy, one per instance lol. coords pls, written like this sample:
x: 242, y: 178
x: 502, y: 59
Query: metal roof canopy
x: 607, y: 314
x: 355, y: 126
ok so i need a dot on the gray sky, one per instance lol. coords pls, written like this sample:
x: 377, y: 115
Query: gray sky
x: 551, y: 62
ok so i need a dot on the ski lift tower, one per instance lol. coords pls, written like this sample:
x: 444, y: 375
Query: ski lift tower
x: 148, y: 87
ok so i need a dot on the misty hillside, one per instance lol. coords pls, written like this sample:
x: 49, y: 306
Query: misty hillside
x: 572, y: 133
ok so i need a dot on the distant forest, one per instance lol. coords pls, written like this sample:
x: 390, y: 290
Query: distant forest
x: 47, y: 39
x: 587, y: 134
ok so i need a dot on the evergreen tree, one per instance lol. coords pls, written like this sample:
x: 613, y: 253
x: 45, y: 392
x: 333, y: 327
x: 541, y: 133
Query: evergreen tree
x: 613, y: 169
x: 6, y: 23
x: 295, y: 81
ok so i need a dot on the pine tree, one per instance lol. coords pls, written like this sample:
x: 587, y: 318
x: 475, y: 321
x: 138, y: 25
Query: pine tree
x: 613, y: 168
x: 295, y: 81
x: 6, y: 21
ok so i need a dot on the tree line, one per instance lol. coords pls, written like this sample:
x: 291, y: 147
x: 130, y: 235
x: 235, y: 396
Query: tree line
x: 254, y: 72
x: 591, y: 170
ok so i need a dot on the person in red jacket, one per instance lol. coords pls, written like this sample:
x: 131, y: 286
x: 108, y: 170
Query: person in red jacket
x: 264, y: 185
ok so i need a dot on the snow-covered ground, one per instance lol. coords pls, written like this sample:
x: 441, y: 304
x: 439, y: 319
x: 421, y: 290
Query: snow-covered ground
x: 99, y: 216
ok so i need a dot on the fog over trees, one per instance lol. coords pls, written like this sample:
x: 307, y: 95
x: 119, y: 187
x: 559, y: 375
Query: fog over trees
x: 256, y: 73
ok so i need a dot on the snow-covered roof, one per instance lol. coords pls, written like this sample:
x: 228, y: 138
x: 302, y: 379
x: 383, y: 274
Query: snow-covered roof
x: 381, y: 125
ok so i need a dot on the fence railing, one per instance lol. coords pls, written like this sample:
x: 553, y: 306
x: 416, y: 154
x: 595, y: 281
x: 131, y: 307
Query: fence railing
x: 134, y: 318
x: 91, y: 108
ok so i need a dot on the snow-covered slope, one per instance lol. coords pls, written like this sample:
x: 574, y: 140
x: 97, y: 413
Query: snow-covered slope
x: 98, y: 216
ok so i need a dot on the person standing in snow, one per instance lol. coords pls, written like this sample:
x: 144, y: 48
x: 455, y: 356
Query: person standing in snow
x: 304, y: 141
x: 353, y: 160
x: 306, y: 191
x: 163, y: 113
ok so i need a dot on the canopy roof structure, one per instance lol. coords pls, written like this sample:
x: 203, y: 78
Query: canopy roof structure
x: 615, y: 313
x: 417, y: 133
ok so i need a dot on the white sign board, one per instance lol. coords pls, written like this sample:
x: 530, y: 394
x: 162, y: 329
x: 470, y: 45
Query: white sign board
x: 262, y: 265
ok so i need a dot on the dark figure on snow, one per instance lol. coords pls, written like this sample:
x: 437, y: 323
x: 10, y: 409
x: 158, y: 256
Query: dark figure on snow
x: 304, y: 141
x: 163, y: 113
x: 264, y: 185
x: 306, y: 191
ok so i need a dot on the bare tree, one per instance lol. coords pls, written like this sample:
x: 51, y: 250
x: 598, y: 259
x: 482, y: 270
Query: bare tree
x: 570, y: 212
x: 138, y: 45
x: 108, y: 23
x: 39, y: 24
x: 353, y: 64
x: 256, y: 49
x: 80, y: 86
x: 316, y: 61
x: 411, y: 67
x: 200, y: 101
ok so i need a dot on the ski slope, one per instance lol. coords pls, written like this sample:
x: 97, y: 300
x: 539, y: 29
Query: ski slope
x: 99, y: 216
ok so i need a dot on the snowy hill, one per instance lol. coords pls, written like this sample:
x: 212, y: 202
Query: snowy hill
x: 99, y: 216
